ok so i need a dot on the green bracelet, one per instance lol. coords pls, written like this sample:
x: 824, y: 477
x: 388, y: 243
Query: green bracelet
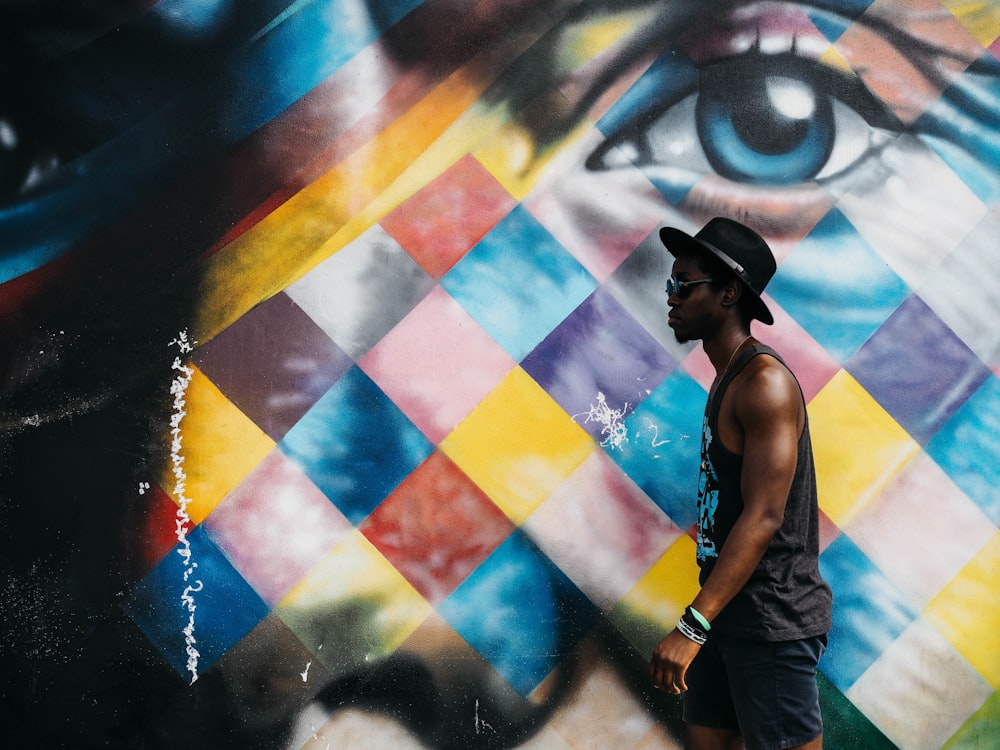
x: 700, y: 618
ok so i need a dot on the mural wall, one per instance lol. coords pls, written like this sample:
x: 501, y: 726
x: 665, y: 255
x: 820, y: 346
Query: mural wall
x: 339, y: 407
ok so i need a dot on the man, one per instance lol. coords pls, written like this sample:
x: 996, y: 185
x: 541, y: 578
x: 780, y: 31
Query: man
x: 744, y: 653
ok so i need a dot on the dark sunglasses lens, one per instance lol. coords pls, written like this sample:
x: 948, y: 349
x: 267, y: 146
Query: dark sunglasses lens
x: 675, y: 287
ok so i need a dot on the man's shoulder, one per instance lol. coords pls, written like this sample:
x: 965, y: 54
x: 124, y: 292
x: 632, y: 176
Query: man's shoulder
x: 766, y: 382
x: 767, y: 367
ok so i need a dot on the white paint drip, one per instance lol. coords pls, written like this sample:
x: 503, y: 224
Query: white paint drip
x: 305, y: 675
x: 182, y: 522
x: 482, y: 725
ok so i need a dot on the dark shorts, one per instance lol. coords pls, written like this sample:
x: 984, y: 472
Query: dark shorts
x: 767, y: 691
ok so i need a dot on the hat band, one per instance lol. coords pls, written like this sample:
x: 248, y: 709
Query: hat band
x: 736, y: 267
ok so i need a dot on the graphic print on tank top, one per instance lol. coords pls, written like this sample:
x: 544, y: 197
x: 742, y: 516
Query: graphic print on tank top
x: 708, y: 497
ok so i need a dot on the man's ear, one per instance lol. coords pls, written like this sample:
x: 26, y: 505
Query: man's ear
x: 731, y: 292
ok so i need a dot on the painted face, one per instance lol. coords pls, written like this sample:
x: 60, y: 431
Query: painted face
x: 390, y: 270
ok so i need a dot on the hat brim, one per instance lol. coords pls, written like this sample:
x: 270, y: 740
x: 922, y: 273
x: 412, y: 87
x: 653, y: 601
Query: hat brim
x: 676, y: 240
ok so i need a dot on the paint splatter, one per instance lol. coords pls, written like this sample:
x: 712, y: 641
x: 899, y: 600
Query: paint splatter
x: 612, y: 421
x: 37, y: 608
x: 178, y: 389
x: 655, y: 441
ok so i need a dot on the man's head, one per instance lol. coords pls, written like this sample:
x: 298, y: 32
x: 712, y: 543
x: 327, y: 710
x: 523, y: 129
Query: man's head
x: 724, y: 250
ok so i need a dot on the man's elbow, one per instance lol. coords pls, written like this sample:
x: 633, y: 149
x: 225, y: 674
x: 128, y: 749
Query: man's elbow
x: 765, y: 521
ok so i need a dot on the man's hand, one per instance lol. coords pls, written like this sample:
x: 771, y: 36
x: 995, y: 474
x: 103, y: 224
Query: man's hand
x: 670, y: 662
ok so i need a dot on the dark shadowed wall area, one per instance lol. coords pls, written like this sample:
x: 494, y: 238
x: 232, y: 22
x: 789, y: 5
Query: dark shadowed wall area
x: 338, y: 407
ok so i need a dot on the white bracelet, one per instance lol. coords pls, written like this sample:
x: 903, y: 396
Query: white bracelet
x: 690, y: 633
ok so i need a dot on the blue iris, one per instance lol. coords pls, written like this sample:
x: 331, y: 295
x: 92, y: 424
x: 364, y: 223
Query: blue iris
x: 764, y: 128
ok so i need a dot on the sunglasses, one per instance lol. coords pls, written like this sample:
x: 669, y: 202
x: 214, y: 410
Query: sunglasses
x: 683, y: 288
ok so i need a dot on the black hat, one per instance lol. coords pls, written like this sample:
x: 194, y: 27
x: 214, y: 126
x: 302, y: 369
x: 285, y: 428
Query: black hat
x: 736, y: 245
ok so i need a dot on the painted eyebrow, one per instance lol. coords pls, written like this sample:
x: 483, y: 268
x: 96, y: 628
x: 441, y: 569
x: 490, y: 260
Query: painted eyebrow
x: 922, y: 53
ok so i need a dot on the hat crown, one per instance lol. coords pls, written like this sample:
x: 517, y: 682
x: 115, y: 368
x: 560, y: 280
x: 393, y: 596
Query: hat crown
x: 750, y: 255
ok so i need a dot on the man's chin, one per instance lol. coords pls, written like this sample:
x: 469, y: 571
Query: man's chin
x: 682, y: 336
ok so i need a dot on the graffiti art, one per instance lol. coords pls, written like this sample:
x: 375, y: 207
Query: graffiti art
x: 339, y: 405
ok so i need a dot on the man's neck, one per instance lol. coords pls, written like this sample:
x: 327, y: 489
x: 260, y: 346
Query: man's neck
x: 723, y: 348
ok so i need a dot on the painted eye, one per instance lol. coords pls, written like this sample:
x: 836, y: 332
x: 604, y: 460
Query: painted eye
x: 784, y: 120
x: 23, y: 160
x: 767, y: 120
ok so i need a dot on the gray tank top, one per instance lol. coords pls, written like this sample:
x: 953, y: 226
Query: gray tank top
x: 786, y: 598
